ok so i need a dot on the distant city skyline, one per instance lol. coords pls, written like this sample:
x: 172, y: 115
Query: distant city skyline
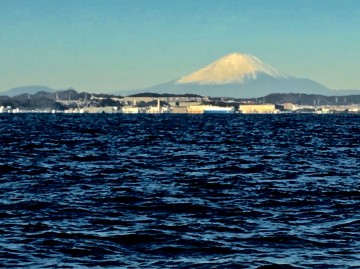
x: 114, y: 45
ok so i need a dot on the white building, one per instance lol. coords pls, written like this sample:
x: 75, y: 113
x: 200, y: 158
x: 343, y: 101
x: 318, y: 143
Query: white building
x: 130, y: 110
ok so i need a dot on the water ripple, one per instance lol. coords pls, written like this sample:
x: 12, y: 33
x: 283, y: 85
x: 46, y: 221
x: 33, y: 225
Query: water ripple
x: 179, y: 191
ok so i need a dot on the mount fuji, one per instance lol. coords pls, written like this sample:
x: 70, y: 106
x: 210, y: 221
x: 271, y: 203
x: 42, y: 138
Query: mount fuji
x: 233, y: 68
x: 240, y: 76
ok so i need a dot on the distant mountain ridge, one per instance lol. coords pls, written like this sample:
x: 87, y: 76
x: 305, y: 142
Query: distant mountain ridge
x: 240, y: 76
x: 235, y: 75
x: 61, y: 100
x: 26, y: 89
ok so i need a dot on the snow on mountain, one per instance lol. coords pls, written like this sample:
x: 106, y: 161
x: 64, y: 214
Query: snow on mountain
x: 232, y: 68
x: 239, y: 76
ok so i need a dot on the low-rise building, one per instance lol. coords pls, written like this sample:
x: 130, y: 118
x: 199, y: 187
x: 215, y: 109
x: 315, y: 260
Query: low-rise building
x: 180, y: 109
x: 257, y: 109
x: 353, y: 110
x: 184, y: 103
x: 198, y: 109
x: 130, y: 110
x: 136, y: 100
x: 104, y: 109
x: 289, y: 106
x: 219, y: 110
x: 322, y: 110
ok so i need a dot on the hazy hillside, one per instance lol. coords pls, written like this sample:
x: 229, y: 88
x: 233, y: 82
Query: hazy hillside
x: 26, y: 89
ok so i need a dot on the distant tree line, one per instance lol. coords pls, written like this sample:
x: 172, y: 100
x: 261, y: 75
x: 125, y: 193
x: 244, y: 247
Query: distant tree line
x: 55, y: 100
x: 309, y: 99
x: 30, y: 102
x: 51, y: 100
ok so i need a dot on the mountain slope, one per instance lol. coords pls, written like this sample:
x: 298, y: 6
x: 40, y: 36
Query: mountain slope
x: 264, y: 85
x: 26, y: 89
x: 233, y: 68
x: 240, y: 76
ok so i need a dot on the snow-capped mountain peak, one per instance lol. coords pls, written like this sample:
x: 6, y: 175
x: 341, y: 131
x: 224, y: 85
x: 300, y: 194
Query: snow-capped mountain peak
x: 232, y: 68
x: 239, y: 76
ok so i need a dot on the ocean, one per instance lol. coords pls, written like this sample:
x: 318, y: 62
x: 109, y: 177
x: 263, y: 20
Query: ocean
x: 179, y: 191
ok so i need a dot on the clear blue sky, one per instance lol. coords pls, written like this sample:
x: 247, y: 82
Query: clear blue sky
x: 106, y: 45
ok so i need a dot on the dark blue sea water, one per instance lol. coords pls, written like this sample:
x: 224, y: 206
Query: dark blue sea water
x: 179, y: 191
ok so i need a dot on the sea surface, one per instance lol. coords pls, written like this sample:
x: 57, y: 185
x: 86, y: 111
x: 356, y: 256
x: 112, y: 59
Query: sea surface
x: 179, y: 191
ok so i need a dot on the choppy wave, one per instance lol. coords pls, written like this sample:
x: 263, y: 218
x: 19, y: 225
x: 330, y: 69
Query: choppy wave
x: 179, y: 191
